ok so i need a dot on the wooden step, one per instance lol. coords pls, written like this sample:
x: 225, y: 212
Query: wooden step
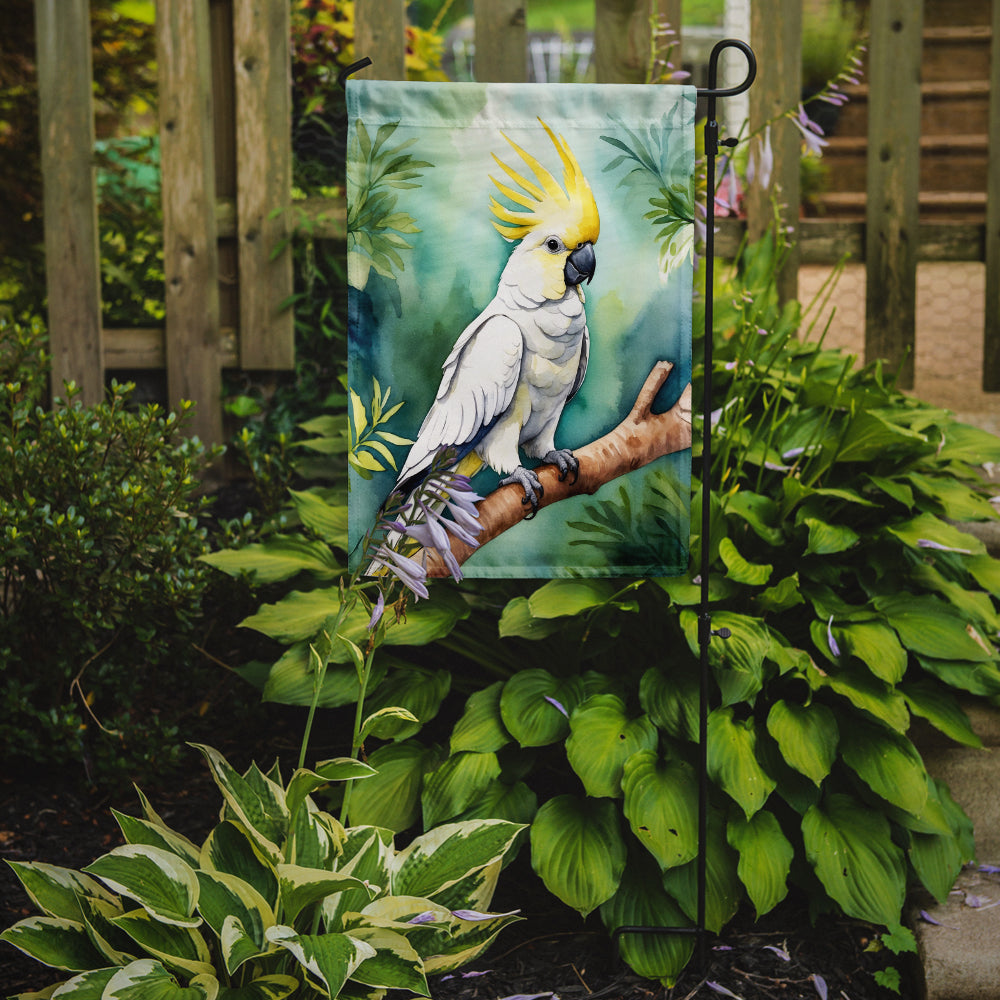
x: 956, y: 53
x: 959, y: 206
x: 947, y: 162
x: 940, y: 13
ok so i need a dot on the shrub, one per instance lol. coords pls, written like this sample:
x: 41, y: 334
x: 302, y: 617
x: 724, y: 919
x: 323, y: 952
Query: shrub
x: 99, y: 541
x: 280, y: 899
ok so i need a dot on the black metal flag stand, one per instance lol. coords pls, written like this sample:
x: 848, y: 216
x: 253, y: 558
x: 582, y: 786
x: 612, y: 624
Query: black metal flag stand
x: 705, y: 630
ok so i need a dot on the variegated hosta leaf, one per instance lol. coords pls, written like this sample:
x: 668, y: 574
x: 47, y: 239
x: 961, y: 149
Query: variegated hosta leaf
x: 732, y: 760
x: 661, y: 800
x: 147, y: 979
x: 86, y: 986
x: 304, y: 782
x: 475, y: 891
x: 177, y: 947
x: 578, y: 851
x: 116, y: 946
x: 367, y: 853
x: 441, y: 857
x: 807, y: 736
x: 56, y: 891
x: 329, y: 959
x: 395, y: 964
x: 274, y: 987
x: 315, y: 839
x: 468, y: 939
x: 642, y: 902
x: 141, y: 831
x: 765, y: 858
x: 225, y: 897
x: 54, y: 941
x: 256, y: 801
x: 851, y: 849
x: 300, y: 887
x: 230, y: 849
x: 158, y: 880
x: 602, y: 737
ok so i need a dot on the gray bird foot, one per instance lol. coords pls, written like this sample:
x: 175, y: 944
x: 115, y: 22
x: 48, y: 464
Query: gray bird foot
x: 565, y: 461
x: 528, y: 481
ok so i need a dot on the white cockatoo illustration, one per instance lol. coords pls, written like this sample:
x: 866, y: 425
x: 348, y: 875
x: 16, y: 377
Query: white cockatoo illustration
x: 514, y: 368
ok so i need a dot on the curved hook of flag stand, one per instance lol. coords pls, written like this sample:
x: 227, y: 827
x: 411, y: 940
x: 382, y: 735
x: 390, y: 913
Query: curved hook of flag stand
x: 705, y: 630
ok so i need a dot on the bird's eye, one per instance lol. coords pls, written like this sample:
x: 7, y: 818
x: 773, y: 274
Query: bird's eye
x: 552, y: 245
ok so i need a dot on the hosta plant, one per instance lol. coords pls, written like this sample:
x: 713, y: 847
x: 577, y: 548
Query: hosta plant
x: 279, y: 900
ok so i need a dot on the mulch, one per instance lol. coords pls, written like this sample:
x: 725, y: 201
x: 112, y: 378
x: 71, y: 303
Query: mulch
x: 551, y: 952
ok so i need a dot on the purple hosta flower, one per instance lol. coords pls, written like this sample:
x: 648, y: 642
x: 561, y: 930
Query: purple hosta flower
x: 427, y: 917
x: 377, y: 612
x: 408, y: 571
x: 830, y: 641
x: 990, y: 869
x: 558, y: 705
x: 812, y: 134
x: 760, y: 164
x: 719, y: 988
x: 465, y: 975
x: 927, y: 918
x: 927, y: 543
x: 475, y: 915
x: 431, y: 534
x: 820, y: 984
x: 780, y: 952
x: 531, y: 996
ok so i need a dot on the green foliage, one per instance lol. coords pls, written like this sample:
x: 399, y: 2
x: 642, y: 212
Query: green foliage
x: 101, y: 587
x: 279, y: 899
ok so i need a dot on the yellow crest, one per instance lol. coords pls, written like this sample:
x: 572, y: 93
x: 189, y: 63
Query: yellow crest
x: 570, y: 213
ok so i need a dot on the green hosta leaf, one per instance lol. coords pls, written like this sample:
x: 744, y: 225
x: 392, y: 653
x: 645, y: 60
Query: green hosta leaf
x: 732, y: 760
x: 330, y: 959
x: 395, y: 964
x: 671, y: 700
x: 260, y: 809
x: 976, y: 678
x: 738, y: 661
x: 828, y: 539
x: 850, y: 847
x: 937, y: 859
x: 418, y: 691
x: 54, y: 941
x: 142, y: 831
x: 865, y: 692
x: 723, y: 889
x: 956, y: 500
x: 661, y: 799
x: 535, y: 706
x: 876, y: 646
x: 147, y: 979
x: 765, y: 858
x: 230, y: 849
x: 516, y: 803
x: 385, y: 723
x: 225, y: 897
x: 931, y: 628
x: 888, y: 763
x: 56, y: 891
x: 327, y: 520
x: 807, y: 736
x: 292, y: 680
x: 391, y: 798
x: 180, y: 948
x: 928, y: 528
x: 578, y: 851
x: 517, y: 620
x: 559, y: 598
x: 602, y: 738
x: 301, y: 887
x: 159, y: 881
x: 941, y: 709
x: 986, y: 572
x: 481, y: 728
x: 760, y: 512
x: 738, y: 569
x: 871, y: 435
x: 641, y: 901
x: 279, y: 558
x: 783, y: 595
x: 438, y: 859
x: 274, y: 987
x: 456, y: 784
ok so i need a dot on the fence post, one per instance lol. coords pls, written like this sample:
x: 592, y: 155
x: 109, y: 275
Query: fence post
x: 776, y: 34
x: 72, y: 255
x: 991, y: 332
x: 622, y: 40
x: 893, y: 183
x: 501, y: 41
x: 380, y: 34
x: 262, y: 61
x: 190, y: 251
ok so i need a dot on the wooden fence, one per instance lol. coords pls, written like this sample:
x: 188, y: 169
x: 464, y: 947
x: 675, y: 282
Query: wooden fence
x: 226, y: 161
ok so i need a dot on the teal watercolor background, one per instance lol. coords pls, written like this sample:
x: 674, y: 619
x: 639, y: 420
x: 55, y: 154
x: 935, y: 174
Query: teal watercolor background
x: 635, y: 318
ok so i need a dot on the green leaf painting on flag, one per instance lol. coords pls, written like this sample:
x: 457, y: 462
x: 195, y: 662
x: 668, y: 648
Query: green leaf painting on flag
x: 530, y: 312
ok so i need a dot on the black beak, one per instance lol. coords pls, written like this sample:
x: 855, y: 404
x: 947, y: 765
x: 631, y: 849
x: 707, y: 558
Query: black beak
x: 580, y: 265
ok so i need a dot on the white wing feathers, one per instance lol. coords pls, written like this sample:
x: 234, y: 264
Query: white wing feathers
x: 477, y: 385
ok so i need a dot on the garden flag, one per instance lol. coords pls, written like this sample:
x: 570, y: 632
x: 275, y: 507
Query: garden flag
x: 520, y: 271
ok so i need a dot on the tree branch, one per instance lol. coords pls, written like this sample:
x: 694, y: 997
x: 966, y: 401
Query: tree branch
x: 639, y: 439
